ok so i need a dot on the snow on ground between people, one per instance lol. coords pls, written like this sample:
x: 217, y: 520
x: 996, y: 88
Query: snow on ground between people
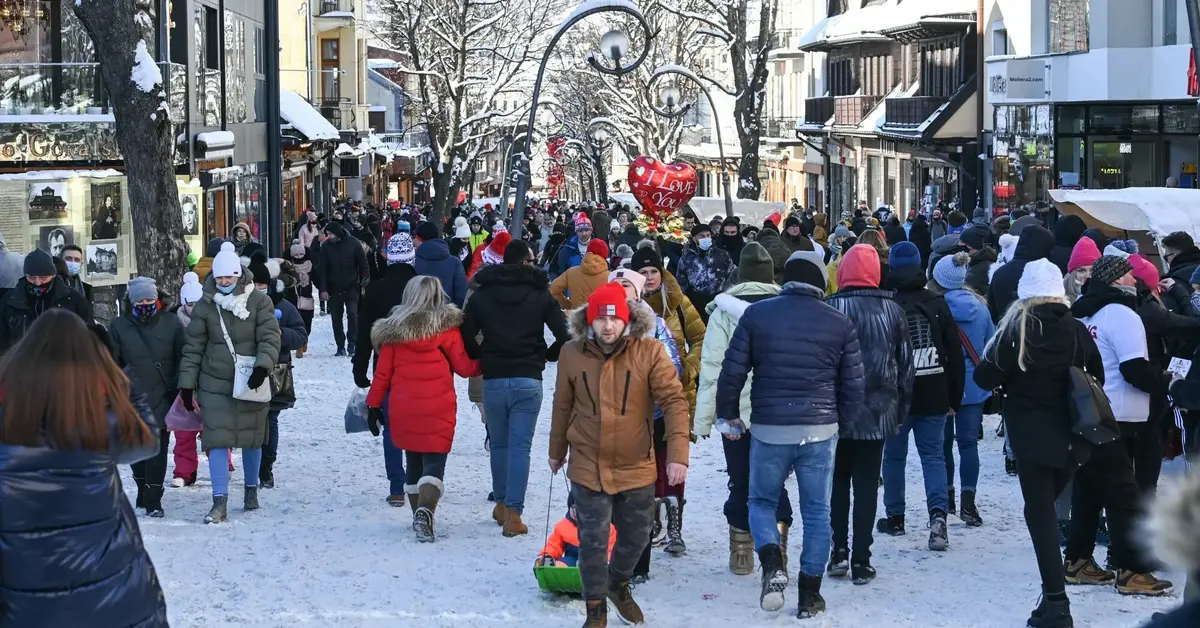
x: 325, y: 550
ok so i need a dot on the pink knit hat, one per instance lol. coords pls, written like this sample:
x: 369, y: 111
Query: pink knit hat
x: 1085, y: 253
x: 1144, y: 270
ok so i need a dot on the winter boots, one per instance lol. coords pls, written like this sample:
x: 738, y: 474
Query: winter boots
x: 219, y: 512
x: 953, y: 508
x: 302, y: 350
x: 741, y: 552
x: 675, y: 545
x: 1051, y: 614
x: 774, y: 578
x: 862, y: 573
x: 513, y: 526
x: 621, y: 596
x: 413, y: 501
x: 250, y: 499
x: 658, y: 533
x: 597, y: 614
x: 811, y: 601
x: 839, y: 562
x: 1134, y: 583
x: 500, y: 514
x: 429, y: 491
x: 938, y: 539
x: 969, y: 513
x: 396, y: 501
x: 266, y: 475
x: 891, y: 526
x: 152, y: 501
x: 350, y: 348
x: 1086, y: 571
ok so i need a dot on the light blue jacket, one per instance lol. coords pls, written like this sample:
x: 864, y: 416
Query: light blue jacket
x: 972, y: 316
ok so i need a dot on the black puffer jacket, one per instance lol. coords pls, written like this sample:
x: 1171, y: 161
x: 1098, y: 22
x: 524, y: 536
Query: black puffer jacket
x: 979, y: 270
x: 511, y: 305
x: 806, y: 361
x: 630, y: 236
x: 1036, y: 243
x: 341, y: 265
x: 887, y: 360
x: 1066, y: 233
x: 18, y: 310
x: 381, y: 296
x: 934, y: 392
x: 1036, y: 412
x: 72, y: 550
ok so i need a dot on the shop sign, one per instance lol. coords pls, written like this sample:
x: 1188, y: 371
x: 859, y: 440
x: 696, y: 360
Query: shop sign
x: 1020, y: 79
x: 59, y: 141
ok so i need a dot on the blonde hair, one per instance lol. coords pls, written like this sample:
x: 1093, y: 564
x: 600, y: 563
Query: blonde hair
x: 1017, y: 317
x: 422, y: 294
x: 877, y: 241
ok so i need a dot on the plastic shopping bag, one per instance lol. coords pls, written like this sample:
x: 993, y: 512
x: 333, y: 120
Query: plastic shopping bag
x: 356, y: 412
x: 179, y: 419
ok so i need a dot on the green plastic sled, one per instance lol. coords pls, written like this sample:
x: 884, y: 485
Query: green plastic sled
x: 559, y: 579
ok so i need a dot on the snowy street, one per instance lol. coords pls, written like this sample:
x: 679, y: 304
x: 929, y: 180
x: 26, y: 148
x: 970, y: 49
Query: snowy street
x: 325, y: 550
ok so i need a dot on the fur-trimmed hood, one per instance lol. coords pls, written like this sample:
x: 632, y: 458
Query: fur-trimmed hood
x: 416, y: 326
x: 1174, y: 523
x: 641, y: 321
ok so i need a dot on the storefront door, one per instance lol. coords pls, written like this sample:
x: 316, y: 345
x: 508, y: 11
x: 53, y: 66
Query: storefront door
x: 216, y: 213
x: 1119, y: 164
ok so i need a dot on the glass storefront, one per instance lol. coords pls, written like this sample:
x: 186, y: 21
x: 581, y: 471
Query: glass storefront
x: 1023, y: 153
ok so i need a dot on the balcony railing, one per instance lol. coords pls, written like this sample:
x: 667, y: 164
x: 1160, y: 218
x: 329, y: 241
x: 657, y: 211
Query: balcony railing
x: 912, y: 111
x: 334, y: 110
x: 850, y: 110
x: 818, y: 111
x: 335, y: 6
x: 74, y: 89
x: 786, y: 40
x: 779, y: 127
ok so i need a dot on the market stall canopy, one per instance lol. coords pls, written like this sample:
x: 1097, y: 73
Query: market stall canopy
x: 1141, y: 214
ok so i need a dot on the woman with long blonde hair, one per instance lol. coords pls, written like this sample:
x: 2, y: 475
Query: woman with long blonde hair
x: 71, y: 548
x: 1036, y: 343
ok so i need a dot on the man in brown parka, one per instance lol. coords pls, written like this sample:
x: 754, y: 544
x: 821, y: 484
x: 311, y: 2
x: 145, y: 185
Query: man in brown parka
x: 609, y: 379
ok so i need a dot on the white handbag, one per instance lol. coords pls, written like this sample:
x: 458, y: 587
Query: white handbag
x: 243, y: 367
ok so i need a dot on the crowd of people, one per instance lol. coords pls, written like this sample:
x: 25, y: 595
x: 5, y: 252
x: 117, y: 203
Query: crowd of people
x: 812, y: 347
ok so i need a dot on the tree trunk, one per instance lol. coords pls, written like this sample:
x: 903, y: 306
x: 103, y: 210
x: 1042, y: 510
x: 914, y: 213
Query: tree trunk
x: 145, y: 136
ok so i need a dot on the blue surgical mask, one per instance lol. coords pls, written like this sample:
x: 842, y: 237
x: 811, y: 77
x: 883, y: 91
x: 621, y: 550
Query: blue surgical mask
x: 704, y: 243
x: 226, y: 289
x: 263, y: 290
x: 73, y: 268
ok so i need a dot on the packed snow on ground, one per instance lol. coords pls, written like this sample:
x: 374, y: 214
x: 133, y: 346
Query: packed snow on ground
x: 325, y: 550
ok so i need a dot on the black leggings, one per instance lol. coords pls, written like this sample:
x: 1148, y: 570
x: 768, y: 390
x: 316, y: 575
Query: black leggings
x: 856, y: 462
x: 421, y: 465
x: 1040, y: 487
x: 307, y: 316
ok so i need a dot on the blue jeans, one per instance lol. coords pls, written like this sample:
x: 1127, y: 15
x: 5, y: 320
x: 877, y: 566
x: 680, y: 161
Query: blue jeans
x: 393, y: 459
x: 964, y: 429
x: 511, y: 406
x: 930, y: 433
x: 218, y: 468
x: 769, y: 468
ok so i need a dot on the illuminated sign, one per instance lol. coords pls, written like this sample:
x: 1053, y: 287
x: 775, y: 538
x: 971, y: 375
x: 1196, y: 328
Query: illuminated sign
x: 1126, y: 148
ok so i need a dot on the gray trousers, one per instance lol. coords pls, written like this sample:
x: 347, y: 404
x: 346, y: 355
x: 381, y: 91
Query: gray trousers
x: 632, y: 513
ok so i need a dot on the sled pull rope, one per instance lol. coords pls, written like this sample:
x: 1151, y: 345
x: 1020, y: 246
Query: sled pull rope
x: 549, y: 504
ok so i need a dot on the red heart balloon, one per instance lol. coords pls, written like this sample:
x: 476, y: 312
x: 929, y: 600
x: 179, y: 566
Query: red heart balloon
x: 661, y: 188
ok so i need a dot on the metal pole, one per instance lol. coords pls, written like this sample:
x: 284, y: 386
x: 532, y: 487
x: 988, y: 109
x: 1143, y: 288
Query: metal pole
x: 274, y: 133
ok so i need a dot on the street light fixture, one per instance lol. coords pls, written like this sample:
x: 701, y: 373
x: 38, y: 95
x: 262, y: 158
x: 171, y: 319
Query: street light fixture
x: 615, y: 48
x: 674, y: 107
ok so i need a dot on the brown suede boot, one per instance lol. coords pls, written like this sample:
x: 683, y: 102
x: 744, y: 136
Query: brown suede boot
x: 500, y: 514
x: 597, y: 614
x: 513, y: 526
x: 621, y: 597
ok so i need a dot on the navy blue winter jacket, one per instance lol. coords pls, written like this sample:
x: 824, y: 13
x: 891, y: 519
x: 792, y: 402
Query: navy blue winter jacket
x: 71, y: 553
x: 807, y: 365
x: 434, y: 259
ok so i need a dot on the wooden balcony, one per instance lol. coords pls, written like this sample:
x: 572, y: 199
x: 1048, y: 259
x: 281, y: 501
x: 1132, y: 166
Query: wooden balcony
x: 912, y: 111
x: 818, y: 111
x: 850, y: 110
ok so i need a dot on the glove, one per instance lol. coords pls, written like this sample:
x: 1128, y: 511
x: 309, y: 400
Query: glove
x: 257, y: 377
x: 278, y: 314
x: 374, y: 420
x: 361, y: 381
x: 185, y: 395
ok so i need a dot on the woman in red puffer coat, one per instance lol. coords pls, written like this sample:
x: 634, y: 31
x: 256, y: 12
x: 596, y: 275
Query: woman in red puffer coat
x: 420, y: 349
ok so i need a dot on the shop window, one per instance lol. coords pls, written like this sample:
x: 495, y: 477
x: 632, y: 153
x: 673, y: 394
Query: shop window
x: 260, y: 75
x: 1123, y: 119
x: 1180, y: 119
x: 236, y: 99
x: 1000, y: 42
x: 212, y: 39
x: 1070, y: 119
x: 1068, y: 22
x: 1069, y: 156
x: 1118, y: 165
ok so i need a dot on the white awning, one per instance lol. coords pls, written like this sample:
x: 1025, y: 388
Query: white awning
x: 300, y: 115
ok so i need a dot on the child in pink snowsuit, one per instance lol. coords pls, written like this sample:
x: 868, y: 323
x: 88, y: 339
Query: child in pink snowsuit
x: 186, y: 460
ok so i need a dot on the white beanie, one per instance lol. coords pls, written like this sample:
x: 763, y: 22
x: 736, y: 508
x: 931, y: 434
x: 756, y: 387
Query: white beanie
x: 192, y: 290
x: 1008, y: 248
x: 227, y: 263
x: 1115, y: 252
x: 1041, y: 278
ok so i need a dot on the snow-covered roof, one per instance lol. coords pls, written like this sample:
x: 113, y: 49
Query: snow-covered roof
x: 707, y: 150
x: 1157, y: 211
x: 411, y: 153
x: 345, y: 150
x: 300, y: 115
x: 216, y: 138
x: 855, y: 26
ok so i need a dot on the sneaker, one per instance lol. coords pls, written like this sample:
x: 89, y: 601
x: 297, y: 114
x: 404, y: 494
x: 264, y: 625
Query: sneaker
x: 341, y: 353
x: 156, y: 513
x: 811, y: 601
x: 1010, y: 466
x: 622, y: 600
x: 423, y: 524
x: 969, y: 513
x: 1086, y: 571
x: 892, y: 526
x: 178, y: 483
x: 862, y: 573
x: 774, y: 578
x: 1132, y: 583
x: 953, y: 507
x: 266, y: 477
x: 639, y: 578
x: 938, y: 539
x: 839, y: 562
x: 1051, y: 614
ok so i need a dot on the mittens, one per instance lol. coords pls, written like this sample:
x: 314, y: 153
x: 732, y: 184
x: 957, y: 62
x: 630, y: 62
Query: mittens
x: 257, y: 377
x: 374, y: 420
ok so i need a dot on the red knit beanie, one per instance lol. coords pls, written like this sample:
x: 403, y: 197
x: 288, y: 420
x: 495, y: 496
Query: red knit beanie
x: 608, y: 300
x: 494, y: 253
x: 859, y: 268
x: 1085, y: 253
x: 598, y: 247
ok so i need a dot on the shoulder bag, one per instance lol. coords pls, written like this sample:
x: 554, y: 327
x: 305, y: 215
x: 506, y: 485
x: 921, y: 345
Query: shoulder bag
x: 994, y: 403
x: 1092, y: 416
x: 243, y: 366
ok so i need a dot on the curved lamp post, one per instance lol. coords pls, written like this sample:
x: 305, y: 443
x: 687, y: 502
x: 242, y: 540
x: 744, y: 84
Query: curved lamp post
x: 577, y: 157
x: 674, y: 107
x: 614, y: 47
